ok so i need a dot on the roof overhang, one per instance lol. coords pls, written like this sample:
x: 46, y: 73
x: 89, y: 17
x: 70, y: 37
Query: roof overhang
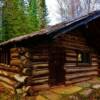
x: 56, y: 30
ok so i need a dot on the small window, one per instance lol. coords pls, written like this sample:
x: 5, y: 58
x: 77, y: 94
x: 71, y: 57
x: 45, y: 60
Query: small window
x: 83, y: 58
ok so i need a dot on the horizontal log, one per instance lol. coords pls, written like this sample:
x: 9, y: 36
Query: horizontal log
x: 80, y: 39
x: 94, y: 63
x: 40, y: 60
x: 78, y: 43
x: 71, y: 59
x: 82, y: 74
x: 71, y: 54
x: 74, y: 45
x: 40, y: 72
x: 69, y: 64
x: 7, y: 80
x: 44, y: 64
x: 40, y: 81
x: 4, y: 65
x: 75, y: 48
x: 40, y: 57
x: 41, y: 75
x: 41, y: 87
x: 40, y: 67
x: 38, y: 78
x: 9, y: 87
x: 15, y: 62
x: 94, y: 59
x: 79, y: 69
x: 73, y: 37
x: 77, y: 80
x: 7, y: 73
x: 10, y: 69
x: 70, y: 51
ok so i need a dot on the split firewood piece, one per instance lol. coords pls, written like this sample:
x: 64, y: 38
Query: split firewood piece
x: 27, y: 55
x: 16, y: 62
x: 20, y: 78
x: 14, y: 50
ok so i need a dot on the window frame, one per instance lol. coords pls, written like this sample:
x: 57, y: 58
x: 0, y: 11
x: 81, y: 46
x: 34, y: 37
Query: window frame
x: 83, y: 62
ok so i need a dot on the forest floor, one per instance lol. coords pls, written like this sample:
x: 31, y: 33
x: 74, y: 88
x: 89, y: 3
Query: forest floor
x: 88, y: 90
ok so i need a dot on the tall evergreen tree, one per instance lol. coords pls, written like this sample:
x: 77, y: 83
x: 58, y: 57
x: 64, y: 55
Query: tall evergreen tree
x: 22, y: 17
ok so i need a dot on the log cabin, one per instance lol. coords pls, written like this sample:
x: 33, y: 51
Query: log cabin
x: 65, y: 53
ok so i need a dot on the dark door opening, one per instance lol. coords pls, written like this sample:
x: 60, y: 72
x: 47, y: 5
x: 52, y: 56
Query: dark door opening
x: 56, y: 65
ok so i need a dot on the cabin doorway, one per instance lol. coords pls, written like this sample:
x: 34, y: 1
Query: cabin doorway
x: 56, y: 66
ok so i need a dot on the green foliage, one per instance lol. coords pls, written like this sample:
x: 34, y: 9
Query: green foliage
x: 20, y: 18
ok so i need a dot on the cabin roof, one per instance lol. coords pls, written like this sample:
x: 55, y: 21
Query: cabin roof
x: 56, y: 30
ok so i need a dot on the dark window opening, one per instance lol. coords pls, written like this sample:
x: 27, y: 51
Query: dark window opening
x: 83, y: 58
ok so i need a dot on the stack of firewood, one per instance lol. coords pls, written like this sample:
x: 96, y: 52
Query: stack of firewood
x: 19, y: 57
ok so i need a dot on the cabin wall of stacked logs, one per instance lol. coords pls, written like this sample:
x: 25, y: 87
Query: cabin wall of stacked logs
x: 33, y: 63
x: 14, y: 73
x: 75, y: 72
